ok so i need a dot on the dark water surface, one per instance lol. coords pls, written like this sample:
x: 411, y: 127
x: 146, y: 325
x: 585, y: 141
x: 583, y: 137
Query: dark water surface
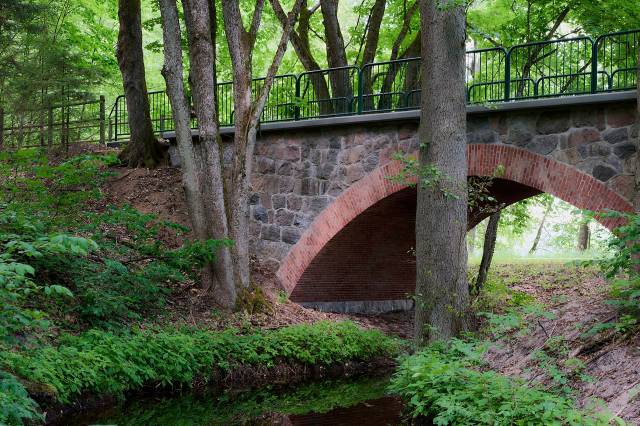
x: 336, y: 403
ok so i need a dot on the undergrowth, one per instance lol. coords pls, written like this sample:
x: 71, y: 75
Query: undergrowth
x: 445, y: 382
x: 103, y: 363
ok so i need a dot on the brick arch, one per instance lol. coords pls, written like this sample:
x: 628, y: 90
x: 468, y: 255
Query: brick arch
x: 521, y: 166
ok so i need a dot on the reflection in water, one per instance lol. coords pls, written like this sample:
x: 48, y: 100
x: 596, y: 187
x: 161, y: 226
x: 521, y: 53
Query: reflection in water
x: 335, y: 403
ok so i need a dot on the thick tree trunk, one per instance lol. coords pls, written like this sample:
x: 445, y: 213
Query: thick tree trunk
x: 488, y: 249
x: 584, y: 235
x: 341, y: 86
x: 143, y: 149
x: 302, y: 47
x: 442, y: 290
x: 373, y: 32
x: 201, y: 166
x: 208, y: 147
x: 536, y: 240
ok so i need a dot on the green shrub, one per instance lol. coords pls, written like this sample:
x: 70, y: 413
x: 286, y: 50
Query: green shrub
x: 100, y: 362
x: 16, y: 407
x: 443, y: 382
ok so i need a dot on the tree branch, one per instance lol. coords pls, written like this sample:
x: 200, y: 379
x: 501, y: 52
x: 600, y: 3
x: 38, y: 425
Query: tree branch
x: 403, y: 31
x: 255, y: 22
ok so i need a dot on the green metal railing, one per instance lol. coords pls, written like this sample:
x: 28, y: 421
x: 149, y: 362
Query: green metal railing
x: 564, y: 67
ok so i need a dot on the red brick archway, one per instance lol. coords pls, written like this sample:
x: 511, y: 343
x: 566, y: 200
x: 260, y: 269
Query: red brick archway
x: 521, y: 166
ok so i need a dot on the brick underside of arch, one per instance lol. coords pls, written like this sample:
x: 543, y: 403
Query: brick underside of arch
x: 521, y: 166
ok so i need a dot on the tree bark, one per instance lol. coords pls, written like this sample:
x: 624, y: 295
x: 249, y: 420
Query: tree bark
x: 584, y: 235
x: 442, y: 290
x: 302, y: 47
x: 341, y: 87
x: 373, y: 32
x: 536, y: 240
x: 488, y: 249
x: 143, y: 149
x: 247, y: 115
x: 471, y: 240
x: 208, y: 147
x: 201, y: 162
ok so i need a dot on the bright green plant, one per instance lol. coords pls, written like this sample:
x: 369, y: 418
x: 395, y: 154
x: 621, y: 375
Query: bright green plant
x: 443, y: 383
x: 100, y: 362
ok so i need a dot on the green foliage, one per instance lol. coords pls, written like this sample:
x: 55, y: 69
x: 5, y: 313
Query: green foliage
x: 23, y: 243
x: 16, y: 407
x: 443, y: 383
x: 100, y: 362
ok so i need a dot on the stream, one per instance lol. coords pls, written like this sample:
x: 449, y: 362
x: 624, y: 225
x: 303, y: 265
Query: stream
x: 359, y: 401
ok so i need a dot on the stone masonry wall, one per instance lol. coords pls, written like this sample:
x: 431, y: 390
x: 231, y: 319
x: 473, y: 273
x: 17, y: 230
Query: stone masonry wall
x: 299, y: 173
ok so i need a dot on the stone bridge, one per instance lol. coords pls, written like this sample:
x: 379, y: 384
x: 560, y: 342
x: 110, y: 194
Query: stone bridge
x: 339, y: 233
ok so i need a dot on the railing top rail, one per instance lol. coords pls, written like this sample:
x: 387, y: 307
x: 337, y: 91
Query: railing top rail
x: 348, y: 67
x: 370, y: 64
x: 554, y: 41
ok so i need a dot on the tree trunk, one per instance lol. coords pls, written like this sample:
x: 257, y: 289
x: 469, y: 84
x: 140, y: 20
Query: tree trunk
x: 584, y: 235
x: 208, y: 147
x: 247, y: 115
x: 442, y: 290
x: 373, y: 32
x: 302, y: 47
x: 201, y: 166
x: 471, y: 240
x: 341, y: 87
x: 143, y: 149
x: 536, y: 240
x: 488, y: 249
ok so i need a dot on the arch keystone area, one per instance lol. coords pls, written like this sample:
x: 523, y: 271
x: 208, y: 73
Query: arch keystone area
x: 521, y: 166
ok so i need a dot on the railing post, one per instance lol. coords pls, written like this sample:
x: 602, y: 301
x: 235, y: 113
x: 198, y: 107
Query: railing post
x: 50, y: 127
x: 594, y: 66
x: 115, y: 124
x: 507, y: 76
x: 296, y: 109
x: 360, y: 107
x: 102, y: 118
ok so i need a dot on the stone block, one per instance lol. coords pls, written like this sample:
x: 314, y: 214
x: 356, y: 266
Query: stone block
x: 482, y: 137
x: 294, y: 202
x: 370, y: 162
x: 265, y: 165
x: 354, y: 173
x: 270, y: 232
x: 286, y: 184
x: 519, y: 134
x: 278, y: 201
x: 588, y: 117
x: 283, y: 168
x: 616, y: 135
x: 598, y: 149
x: 621, y: 116
x: 583, y: 136
x: 309, y: 186
x: 543, y: 144
x: 624, y: 150
x: 287, y: 152
x: 553, y: 122
x: 603, y: 172
x: 290, y: 234
x: 314, y: 205
x: 260, y: 214
x: 283, y: 217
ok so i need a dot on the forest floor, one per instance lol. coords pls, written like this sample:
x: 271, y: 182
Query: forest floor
x: 541, y: 333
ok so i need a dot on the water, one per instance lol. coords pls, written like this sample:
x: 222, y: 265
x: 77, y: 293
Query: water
x: 335, y: 403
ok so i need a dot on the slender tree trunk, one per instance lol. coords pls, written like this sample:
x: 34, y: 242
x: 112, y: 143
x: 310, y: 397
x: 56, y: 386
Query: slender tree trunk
x: 373, y: 32
x: 143, y: 149
x: 536, y: 240
x: 488, y: 249
x: 471, y: 240
x: 584, y: 235
x: 247, y: 115
x: 442, y: 290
